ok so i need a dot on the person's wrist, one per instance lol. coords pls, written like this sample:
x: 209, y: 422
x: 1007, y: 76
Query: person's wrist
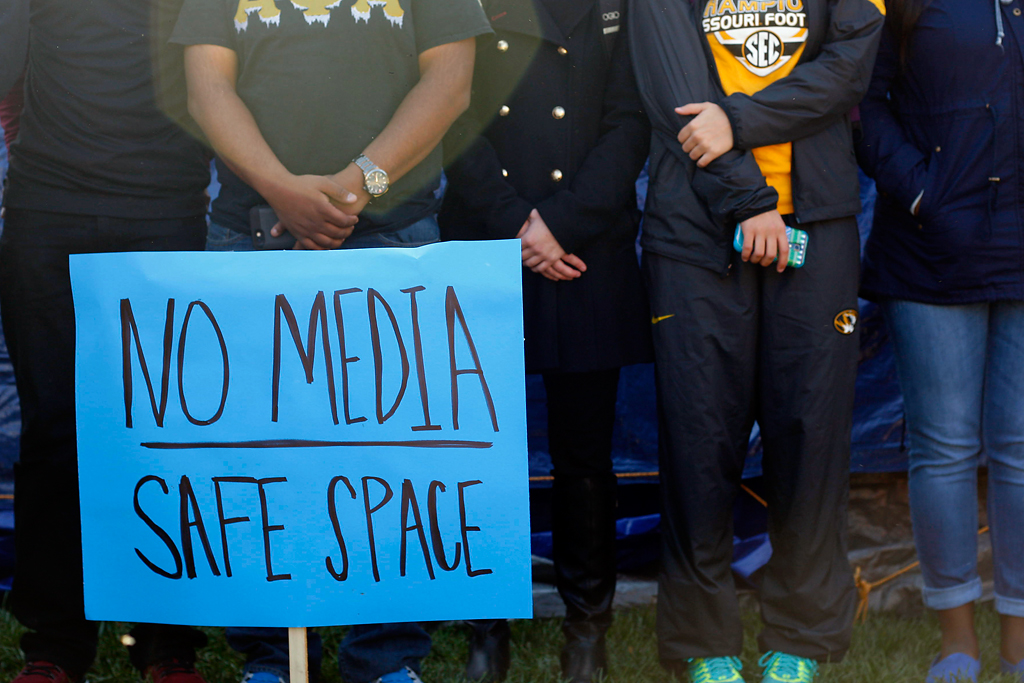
x: 272, y: 186
x: 351, y: 178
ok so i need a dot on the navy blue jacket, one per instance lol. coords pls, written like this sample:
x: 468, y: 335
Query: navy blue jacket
x: 950, y: 124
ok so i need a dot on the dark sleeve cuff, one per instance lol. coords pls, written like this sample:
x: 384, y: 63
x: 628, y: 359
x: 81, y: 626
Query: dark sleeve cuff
x: 504, y: 223
x: 562, y: 218
x: 729, y: 107
x: 186, y: 40
x: 762, y: 203
x: 454, y: 37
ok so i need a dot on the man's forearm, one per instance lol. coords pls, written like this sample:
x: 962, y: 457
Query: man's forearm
x: 232, y: 130
x: 238, y: 141
x: 416, y: 128
x: 303, y: 203
x: 424, y: 116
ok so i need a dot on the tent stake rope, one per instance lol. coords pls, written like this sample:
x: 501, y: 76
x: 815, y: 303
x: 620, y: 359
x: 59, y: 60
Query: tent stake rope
x: 864, y: 587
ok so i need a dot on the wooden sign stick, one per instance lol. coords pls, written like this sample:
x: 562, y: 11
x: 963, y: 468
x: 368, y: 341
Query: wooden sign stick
x: 298, y: 662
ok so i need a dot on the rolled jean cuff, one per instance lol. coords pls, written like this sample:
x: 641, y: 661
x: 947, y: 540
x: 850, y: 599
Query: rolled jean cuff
x: 1011, y: 607
x: 267, y: 669
x: 954, y: 596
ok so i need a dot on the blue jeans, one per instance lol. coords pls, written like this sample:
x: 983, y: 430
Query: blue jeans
x: 368, y: 651
x: 961, y: 369
x: 424, y: 231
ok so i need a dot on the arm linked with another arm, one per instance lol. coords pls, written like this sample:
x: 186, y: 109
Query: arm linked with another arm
x: 672, y: 69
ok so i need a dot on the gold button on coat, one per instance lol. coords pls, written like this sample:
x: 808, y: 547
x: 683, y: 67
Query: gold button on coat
x: 504, y: 110
x: 1016, y: 11
x: 502, y: 45
x: 504, y: 173
x: 562, y: 50
x: 556, y: 175
x: 558, y: 112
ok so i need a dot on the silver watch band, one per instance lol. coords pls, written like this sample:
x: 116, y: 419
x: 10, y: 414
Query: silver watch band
x: 364, y: 164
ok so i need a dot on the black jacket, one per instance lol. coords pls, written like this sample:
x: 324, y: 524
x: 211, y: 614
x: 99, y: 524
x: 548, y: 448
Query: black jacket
x: 563, y: 131
x: 691, y: 213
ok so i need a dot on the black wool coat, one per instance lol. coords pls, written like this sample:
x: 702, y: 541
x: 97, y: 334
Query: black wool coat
x: 556, y: 125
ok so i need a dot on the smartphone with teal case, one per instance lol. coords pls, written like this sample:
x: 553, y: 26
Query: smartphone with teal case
x: 797, y: 245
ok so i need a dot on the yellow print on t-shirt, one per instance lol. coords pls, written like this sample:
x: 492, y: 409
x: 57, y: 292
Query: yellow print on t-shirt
x: 762, y: 35
x: 266, y: 10
x: 392, y: 10
x: 316, y: 11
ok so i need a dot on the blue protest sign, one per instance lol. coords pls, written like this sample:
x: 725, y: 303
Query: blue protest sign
x: 303, y: 439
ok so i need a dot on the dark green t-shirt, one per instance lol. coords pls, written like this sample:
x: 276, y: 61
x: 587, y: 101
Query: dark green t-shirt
x: 323, y: 78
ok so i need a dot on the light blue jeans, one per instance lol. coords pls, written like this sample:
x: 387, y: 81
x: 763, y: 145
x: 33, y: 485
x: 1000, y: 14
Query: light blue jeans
x: 368, y: 651
x: 961, y: 369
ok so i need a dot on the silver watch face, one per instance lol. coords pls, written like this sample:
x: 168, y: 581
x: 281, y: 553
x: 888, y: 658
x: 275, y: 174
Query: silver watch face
x: 376, y: 182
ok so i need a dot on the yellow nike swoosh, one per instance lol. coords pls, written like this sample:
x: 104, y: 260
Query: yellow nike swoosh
x: 658, y: 319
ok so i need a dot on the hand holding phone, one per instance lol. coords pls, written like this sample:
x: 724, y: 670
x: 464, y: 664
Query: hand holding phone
x: 315, y: 209
x: 797, y: 245
x: 261, y: 220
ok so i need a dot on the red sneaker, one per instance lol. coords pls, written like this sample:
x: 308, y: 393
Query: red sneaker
x: 42, y: 672
x: 172, y: 671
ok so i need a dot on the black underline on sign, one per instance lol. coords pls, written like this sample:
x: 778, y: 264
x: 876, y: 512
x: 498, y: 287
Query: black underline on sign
x: 303, y: 443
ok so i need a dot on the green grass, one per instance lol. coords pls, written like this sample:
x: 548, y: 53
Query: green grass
x: 887, y: 649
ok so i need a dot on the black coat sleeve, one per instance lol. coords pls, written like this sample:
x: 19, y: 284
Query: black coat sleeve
x: 475, y: 177
x: 13, y: 42
x: 671, y: 69
x: 816, y: 92
x: 605, y: 183
x: 885, y: 151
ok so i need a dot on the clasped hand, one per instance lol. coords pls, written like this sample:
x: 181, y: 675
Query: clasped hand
x: 708, y: 136
x: 543, y: 254
x: 317, y: 210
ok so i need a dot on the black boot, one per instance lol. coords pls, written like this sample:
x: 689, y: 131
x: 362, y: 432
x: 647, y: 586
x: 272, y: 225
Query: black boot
x: 488, y: 650
x: 584, y: 657
x: 584, y: 553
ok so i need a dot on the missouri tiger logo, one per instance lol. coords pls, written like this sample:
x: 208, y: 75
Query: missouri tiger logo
x: 392, y: 10
x: 846, y: 321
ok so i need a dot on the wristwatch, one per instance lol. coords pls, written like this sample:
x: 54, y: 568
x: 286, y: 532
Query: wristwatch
x: 375, y: 180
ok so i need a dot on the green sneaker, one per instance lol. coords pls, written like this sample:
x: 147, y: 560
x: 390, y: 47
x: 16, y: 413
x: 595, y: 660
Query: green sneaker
x: 715, y: 670
x: 782, y: 668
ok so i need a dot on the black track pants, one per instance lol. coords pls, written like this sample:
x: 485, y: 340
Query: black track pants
x: 756, y: 345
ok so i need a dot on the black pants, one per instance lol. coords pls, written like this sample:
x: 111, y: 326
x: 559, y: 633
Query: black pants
x: 581, y: 417
x: 756, y: 345
x: 39, y: 324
